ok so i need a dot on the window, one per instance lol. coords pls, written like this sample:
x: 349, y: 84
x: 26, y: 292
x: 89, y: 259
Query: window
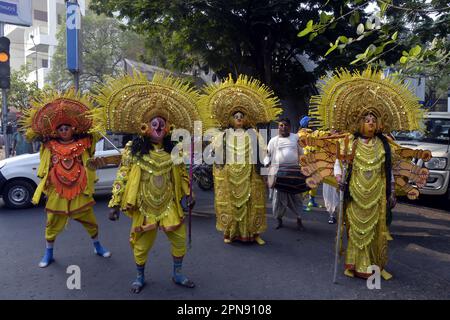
x: 118, y: 140
x: 59, y: 19
x: 44, y: 63
x: 40, y: 15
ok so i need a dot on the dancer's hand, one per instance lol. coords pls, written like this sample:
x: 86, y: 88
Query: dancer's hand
x: 190, y: 203
x: 114, y: 214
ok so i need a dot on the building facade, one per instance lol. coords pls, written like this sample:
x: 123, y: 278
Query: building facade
x: 36, y: 44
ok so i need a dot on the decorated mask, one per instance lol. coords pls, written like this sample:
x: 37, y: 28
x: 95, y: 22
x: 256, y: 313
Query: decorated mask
x: 369, y: 126
x: 238, y: 120
x: 65, y: 132
x: 157, y: 129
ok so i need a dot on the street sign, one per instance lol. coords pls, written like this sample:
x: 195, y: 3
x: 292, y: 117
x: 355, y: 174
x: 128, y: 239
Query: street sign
x: 73, y: 25
x: 16, y: 12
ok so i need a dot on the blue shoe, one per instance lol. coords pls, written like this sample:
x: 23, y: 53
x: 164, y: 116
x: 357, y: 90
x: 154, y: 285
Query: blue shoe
x: 99, y: 250
x: 180, y: 279
x: 47, y: 259
x: 139, y: 283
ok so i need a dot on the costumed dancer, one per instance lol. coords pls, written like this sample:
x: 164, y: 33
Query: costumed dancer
x: 311, y: 194
x: 60, y: 122
x: 365, y: 108
x: 149, y: 186
x: 240, y: 192
x: 283, y: 152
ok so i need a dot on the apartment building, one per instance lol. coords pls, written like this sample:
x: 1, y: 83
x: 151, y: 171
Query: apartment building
x: 36, y: 44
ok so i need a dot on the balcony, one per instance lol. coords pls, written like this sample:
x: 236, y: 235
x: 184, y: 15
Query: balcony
x: 40, y: 38
x: 14, y: 33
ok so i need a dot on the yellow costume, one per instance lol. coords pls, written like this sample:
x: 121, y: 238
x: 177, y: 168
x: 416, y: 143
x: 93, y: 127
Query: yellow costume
x: 59, y: 208
x: 62, y: 122
x: 153, y: 187
x: 149, y: 186
x: 240, y: 192
x: 240, y: 201
x: 365, y: 107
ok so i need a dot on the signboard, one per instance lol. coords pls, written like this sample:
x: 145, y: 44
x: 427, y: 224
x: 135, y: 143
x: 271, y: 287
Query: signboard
x: 16, y: 12
x: 73, y: 25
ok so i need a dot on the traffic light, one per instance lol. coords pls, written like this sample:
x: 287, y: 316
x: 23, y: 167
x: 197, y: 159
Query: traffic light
x: 5, y: 71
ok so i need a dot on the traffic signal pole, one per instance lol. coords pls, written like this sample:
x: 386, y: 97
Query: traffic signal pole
x: 4, y: 107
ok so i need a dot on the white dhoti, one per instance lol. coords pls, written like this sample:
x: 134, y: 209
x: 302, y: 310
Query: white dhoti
x: 331, y: 198
x: 284, y: 202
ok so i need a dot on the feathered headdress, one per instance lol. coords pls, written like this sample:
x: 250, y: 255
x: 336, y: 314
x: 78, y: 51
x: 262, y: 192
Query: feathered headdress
x: 53, y: 109
x: 128, y: 103
x: 345, y: 98
x: 255, y: 100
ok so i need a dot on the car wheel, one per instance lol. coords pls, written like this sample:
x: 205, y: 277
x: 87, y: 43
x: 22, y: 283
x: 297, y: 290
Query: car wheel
x: 17, y: 194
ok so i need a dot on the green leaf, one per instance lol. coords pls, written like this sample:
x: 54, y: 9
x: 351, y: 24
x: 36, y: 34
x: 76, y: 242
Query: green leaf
x: 312, y: 36
x: 324, y: 18
x: 360, y: 29
x: 406, y: 54
x: 415, y: 51
x: 343, y: 39
x: 309, y: 24
x: 403, y: 60
x: 394, y: 36
x: 359, y: 57
x: 333, y: 47
x: 304, y: 32
x: 369, y: 25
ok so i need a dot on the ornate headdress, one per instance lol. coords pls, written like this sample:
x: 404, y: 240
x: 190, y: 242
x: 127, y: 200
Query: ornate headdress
x: 345, y: 98
x: 130, y: 102
x: 53, y: 109
x: 247, y: 95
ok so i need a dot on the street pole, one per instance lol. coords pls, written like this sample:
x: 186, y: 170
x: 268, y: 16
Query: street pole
x: 76, y: 80
x: 36, y: 55
x: 4, y: 106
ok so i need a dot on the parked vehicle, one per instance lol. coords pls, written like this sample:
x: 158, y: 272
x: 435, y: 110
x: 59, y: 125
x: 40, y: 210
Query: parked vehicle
x: 436, y: 139
x: 18, y: 175
x: 203, y: 175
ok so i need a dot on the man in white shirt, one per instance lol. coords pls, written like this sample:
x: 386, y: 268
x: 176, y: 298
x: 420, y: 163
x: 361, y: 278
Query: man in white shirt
x: 284, y: 150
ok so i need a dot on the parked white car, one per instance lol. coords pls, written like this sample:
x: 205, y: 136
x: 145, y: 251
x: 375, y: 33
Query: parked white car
x: 436, y: 139
x: 18, y: 175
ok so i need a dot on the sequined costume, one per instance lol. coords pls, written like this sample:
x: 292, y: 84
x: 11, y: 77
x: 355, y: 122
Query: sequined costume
x: 149, y: 186
x: 365, y: 107
x: 66, y: 178
x: 240, y: 201
x: 240, y: 191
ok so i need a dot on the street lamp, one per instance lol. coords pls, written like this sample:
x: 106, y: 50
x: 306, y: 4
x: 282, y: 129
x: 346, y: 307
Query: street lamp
x: 36, y: 53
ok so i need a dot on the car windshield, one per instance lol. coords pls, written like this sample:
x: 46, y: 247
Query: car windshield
x: 436, y: 131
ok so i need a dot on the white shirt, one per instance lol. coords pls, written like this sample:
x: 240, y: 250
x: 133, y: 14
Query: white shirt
x: 283, y: 150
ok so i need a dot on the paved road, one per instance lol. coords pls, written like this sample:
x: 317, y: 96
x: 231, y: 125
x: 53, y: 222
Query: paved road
x: 292, y: 265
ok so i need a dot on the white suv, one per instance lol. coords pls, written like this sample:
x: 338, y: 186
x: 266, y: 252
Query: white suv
x: 18, y: 175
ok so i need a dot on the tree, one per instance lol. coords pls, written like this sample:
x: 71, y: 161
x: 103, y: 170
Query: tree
x: 255, y: 37
x: 21, y: 91
x: 104, y: 46
x: 409, y: 36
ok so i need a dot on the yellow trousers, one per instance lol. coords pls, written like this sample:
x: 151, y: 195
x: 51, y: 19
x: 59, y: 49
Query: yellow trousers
x: 142, y: 242
x: 57, y: 222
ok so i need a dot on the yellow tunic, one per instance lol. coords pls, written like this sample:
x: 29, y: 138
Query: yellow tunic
x: 240, y: 195
x: 55, y: 203
x: 149, y: 189
x: 366, y: 211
